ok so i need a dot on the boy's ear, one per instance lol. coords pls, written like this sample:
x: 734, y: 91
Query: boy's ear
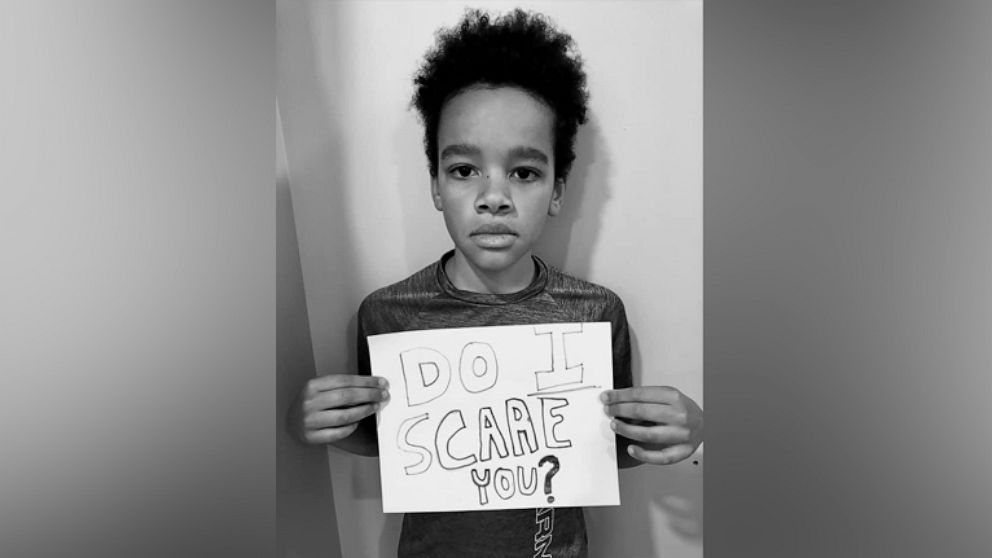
x: 435, y: 195
x: 557, y: 197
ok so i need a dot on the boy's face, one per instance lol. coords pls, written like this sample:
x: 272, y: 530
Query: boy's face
x: 495, y: 180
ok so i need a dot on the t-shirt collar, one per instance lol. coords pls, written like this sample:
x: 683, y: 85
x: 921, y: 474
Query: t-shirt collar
x: 535, y: 287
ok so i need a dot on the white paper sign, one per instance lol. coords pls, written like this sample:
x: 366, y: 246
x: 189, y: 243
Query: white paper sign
x: 490, y: 418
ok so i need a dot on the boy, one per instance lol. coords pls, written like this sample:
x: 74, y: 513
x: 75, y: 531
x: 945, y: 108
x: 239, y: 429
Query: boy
x: 501, y: 101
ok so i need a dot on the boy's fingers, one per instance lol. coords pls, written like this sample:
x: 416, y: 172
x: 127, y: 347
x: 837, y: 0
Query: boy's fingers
x: 329, y: 435
x: 345, y: 397
x: 337, y: 381
x: 652, y: 434
x: 654, y: 412
x: 339, y: 417
x: 648, y: 394
x: 666, y: 456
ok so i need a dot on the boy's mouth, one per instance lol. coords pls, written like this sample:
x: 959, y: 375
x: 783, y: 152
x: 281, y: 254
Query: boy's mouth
x: 494, y: 236
x: 494, y: 228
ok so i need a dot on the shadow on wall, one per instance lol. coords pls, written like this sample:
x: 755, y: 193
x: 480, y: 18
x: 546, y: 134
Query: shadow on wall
x: 682, y: 502
x: 365, y: 484
x: 569, y: 239
x: 648, y: 492
x: 309, y: 63
x: 316, y: 238
x: 305, y: 519
x: 672, y: 489
x: 655, y: 499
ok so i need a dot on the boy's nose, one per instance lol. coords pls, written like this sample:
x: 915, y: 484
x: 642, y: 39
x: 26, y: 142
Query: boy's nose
x: 494, y: 197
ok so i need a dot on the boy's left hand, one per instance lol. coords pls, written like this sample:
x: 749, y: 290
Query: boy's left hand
x: 668, y: 425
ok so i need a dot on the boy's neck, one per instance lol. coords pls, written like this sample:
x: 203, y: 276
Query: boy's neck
x: 465, y: 277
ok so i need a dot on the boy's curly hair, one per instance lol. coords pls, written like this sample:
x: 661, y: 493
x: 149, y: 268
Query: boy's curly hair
x: 519, y: 49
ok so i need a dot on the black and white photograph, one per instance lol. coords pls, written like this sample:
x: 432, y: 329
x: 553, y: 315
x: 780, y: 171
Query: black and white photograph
x: 358, y: 84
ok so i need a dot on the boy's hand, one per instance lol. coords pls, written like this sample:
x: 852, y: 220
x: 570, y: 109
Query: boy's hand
x: 668, y: 424
x: 329, y: 408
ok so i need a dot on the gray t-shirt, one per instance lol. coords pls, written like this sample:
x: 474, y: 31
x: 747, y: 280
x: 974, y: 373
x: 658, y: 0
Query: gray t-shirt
x: 428, y: 300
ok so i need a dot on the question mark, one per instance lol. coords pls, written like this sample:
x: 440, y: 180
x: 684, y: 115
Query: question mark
x: 555, y: 465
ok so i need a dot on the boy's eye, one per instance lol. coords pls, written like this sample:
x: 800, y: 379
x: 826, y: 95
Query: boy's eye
x: 461, y: 171
x: 526, y: 175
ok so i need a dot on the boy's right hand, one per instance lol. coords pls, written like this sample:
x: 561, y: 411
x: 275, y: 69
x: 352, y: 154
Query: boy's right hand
x: 329, y: 408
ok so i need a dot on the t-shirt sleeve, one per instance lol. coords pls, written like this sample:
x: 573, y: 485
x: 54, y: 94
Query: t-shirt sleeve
x: 617, y: 316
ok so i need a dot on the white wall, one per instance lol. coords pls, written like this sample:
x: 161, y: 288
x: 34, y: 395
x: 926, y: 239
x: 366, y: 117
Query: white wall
x: 632, y: 218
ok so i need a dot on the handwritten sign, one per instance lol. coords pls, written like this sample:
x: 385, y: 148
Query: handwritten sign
x: 490, y: 418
